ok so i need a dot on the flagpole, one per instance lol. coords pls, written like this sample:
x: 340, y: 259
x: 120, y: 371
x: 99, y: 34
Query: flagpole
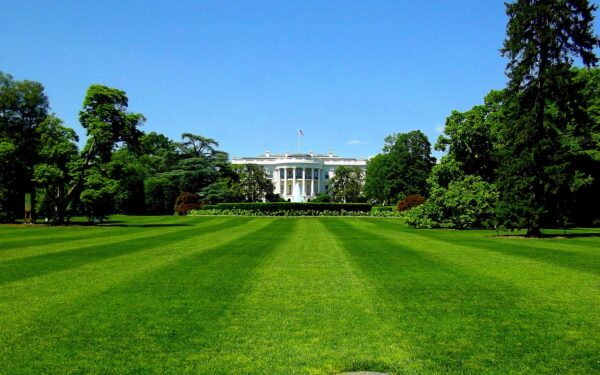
x: 300, y: 134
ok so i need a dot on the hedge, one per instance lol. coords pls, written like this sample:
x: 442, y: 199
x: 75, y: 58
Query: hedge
x: 238, y: 212
x: 377, y: 209
x: 287, y: 206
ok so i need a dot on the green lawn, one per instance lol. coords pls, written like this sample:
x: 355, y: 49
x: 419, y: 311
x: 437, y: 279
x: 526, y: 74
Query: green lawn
x: 295, y: 295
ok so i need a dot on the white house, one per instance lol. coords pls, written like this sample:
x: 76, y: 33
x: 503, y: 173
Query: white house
x: 301, y: 177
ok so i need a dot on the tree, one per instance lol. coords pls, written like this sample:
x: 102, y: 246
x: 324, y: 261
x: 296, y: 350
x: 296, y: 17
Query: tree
x: 220, y: 192
x: 586, y: 209
x: 54, y: 175
x: 191, y: 166
x: 197, y: 145
x: 346, y: 184
x: 96, y: 200
x: 158, y: 152
x: 378, y: 186
x: 537, y: 177
x: 8, y: 157
x: 402, y: 169
x: 456, y: 200
x: 471, y: 137
x: 130, y: 169
x: 254, y: 183
x: 108, y: 125
x: 192, y: 174
x: 23, y: 106
x: 159, y: 195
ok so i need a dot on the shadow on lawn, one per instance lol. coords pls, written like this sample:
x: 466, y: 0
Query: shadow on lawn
x: 125, y: 225
x: 41, y: 264
x: 118, y: 223
x: 552, y: 235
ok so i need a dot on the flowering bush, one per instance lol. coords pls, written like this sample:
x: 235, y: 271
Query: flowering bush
x: 409, y: 202
x: 186, y: 202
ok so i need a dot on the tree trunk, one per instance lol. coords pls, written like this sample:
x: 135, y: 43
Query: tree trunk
x: 534, y: 231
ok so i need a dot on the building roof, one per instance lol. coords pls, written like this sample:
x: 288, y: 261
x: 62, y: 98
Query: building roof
x: 268, y: 156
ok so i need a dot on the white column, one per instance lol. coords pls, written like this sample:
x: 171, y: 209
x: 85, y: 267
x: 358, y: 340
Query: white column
x: 318, y: 181
x: 303, y: 193
x: 312, y: 182
x: 280, y: 181
x: 285, y: 181
x: 293, y: 181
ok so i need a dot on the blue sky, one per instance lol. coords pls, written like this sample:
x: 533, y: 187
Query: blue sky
x: 250, y: 74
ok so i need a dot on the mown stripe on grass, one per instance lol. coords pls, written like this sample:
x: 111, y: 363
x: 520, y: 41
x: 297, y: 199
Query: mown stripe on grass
x: 93, y: 237
x: 577, y: 257
x: 19, y: 269
x: 460, y: 320
x: 579, y: 242
x: 481, y: 254
x: 16, y: 238
x: 307, y: 311
x: 157, y: 321
x: 22, y: 236
x: 572, y: 254
x: 44, y: 294
x: 50, y: 238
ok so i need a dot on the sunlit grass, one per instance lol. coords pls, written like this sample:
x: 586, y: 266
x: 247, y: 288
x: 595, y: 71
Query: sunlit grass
x: 295, y: 295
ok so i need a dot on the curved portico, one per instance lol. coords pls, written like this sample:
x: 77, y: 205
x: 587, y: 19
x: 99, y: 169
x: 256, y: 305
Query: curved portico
x: 298, y: 182
x: 300, y: 177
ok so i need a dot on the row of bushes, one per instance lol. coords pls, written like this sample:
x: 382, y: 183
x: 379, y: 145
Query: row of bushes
x: 287, y: 206
x: 241, y: 212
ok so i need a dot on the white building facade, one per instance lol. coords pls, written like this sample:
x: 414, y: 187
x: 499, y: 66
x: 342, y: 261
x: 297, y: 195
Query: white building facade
x: 301, y: 177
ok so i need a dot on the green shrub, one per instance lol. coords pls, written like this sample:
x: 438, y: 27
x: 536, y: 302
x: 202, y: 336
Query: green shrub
x: 322, y: 197
x: 384, y: 211
x: 468, y: 202
x: 375, y: 209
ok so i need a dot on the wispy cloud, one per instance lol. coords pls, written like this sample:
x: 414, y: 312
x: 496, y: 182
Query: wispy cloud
x: 439, y: 129
x: 354, y: 142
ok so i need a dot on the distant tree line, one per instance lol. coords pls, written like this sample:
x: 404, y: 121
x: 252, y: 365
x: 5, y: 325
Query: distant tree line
x: 120, y: 169
x: 529, y: 156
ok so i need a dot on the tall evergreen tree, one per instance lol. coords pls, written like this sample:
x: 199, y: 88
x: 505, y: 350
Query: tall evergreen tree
x: 543, y: 113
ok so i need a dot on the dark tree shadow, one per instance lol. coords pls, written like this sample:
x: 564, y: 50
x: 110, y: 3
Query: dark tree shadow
x: 552, y: 235
x: 141, y: 225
